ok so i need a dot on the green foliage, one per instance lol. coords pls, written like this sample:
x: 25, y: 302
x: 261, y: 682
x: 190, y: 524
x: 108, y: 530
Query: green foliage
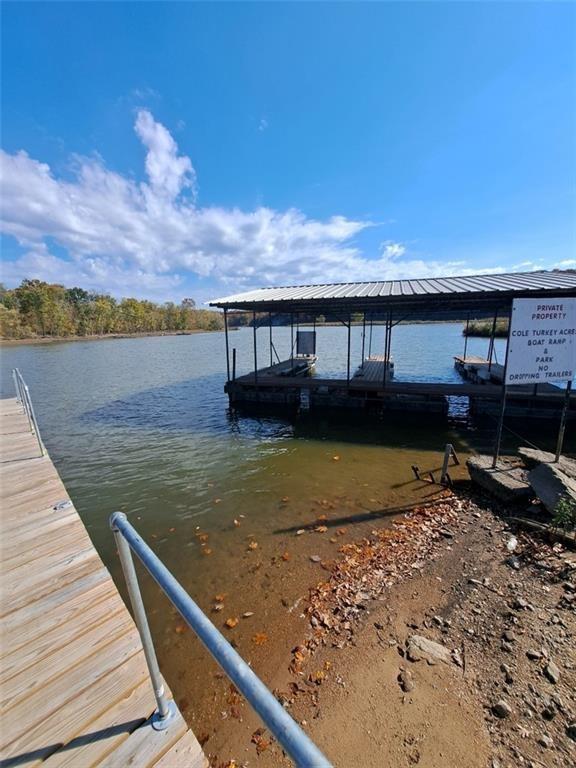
x: 565, y: 514
x: 484, y: 328
x: 36, y: 308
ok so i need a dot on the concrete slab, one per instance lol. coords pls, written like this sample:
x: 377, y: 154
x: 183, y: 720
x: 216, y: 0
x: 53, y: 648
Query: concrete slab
x: 550, y: 484
x: 532, y: 457
x: 507, y: 482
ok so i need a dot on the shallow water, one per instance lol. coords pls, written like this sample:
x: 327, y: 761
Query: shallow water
x: 142, y: 425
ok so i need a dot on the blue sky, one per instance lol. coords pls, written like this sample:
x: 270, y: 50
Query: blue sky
x: 178, y: 149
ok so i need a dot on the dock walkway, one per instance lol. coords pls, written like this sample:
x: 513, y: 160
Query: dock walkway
x: 74, y: 684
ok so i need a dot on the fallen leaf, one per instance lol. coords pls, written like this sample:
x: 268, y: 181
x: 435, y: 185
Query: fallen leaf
x: 247, y: 614
x: 300, y: 531
x: 321, y: 529
x: 253, y: 545
x: 260, y: 638
x: 335, y: 458
x: 217, y: 607
x: 236, y: 523
x: 217, y: 501
x: 203, y: 537
x: 220, y: 598
x: 206, y: 551
x: 172, y: 530
x: 231, y: 623
x: 180, y: 629
x: 285, y: 556
x: 285, y: 499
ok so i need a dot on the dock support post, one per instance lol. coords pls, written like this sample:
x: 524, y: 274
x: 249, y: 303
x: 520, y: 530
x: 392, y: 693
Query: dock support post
x: 270, y: 344
x: 166, y: 710
x: 466, y: 335
x: 255, y: 349
x: 491, y: 344
x: 387, y: 344
x: 370, y: 338
x: 499, y: 430
x: 234, y: 364
x: 363, y: 337
x: 292, y: 336
x: 504, y: 393
x: 227, y: 344
x: 563, y: 421
x: 348, y: 356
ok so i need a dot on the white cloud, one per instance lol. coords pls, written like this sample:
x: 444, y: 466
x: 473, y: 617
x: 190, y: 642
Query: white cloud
x: 145, y: 237
x: 263, y: 124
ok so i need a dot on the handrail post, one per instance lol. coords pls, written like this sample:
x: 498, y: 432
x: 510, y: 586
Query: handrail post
x: 166, y: 709
x: 283, y: 727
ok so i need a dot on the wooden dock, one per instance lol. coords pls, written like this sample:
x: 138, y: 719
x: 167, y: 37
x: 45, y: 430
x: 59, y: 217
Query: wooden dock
x: 74, y: 683
x: 372, y: 369
x: 479, y: 370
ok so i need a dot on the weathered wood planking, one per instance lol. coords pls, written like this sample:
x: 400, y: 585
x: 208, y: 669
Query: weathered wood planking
x: 74, y: 686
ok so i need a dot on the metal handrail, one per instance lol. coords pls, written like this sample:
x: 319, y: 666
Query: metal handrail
x: 295, y: 742
x: 23, y: 397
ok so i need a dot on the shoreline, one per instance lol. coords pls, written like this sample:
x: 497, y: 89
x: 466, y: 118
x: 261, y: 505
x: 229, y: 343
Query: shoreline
x: 4, y: 342
x: 422, y: 623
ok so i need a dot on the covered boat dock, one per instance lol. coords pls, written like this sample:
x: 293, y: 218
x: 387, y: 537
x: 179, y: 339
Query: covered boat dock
x: 374, y: 385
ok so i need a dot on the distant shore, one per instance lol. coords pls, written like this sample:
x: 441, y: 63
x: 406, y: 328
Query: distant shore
x: 98, y: 337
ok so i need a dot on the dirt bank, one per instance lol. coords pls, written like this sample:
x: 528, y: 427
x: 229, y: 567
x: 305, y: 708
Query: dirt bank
x: 499, y: 688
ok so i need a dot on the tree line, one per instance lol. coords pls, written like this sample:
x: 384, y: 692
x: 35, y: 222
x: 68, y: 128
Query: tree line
x: 36, y: 309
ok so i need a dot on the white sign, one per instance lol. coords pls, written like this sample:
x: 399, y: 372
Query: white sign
x: 542, y: 341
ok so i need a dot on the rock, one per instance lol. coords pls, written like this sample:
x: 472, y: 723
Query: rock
x: 549, y: 713
x: 509, y: 636
x: 532, y: 457
x: 502, y: 709
x: 546, y: 742
x: 506, y: 481
x: 520, y: 604
x: 507, y: 673
x: 406, y: 681
x: 552, y: 672
x: 533, y: 654
x: 427, y: 649
x: 316, y: 558
x: 571, y: 731
x: 550, y: 484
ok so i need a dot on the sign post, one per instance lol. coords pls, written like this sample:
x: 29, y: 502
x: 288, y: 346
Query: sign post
x: 541, y: 348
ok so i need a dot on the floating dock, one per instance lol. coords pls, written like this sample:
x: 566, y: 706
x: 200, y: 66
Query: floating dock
x: 74, y: 684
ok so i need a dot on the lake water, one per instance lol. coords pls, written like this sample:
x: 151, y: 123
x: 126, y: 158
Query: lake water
x: 142, y: 425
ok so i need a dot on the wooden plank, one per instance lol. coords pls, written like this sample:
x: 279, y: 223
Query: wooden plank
x: 66, y: 604
x: 40, y: 675
x: 58, y: 633
x: 187, y: 751
x: 31, y: 714
x: 37, y: 585
x: 107, y: 732
x: 61, y: 726
x: 74, y: 681
x: 73, y: 535
x: 146, y: 745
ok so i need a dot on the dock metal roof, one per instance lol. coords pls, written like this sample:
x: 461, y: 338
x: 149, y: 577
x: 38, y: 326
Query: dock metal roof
x: 472, y: 292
